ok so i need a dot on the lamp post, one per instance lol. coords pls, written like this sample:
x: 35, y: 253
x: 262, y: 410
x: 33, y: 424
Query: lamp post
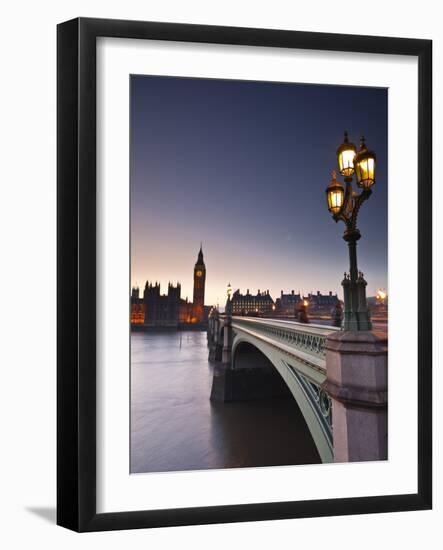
x: 228, y: 301
x: 344, y: 204
x: 227, y: 332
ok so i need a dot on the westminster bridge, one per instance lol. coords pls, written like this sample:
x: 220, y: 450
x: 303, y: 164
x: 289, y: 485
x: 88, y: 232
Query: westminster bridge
x: 338, y: 378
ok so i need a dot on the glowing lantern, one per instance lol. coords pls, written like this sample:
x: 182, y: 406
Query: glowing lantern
x: 365, y: 166
x: 335, y: 195
x: 345, y: 156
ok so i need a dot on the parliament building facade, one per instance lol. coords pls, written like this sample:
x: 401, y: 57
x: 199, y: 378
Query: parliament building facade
x: 170, y: 310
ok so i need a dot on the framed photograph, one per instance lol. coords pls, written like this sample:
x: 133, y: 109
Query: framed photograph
x: 244, y: 215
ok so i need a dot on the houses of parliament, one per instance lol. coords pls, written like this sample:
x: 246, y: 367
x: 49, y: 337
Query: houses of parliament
x: 170, y: 310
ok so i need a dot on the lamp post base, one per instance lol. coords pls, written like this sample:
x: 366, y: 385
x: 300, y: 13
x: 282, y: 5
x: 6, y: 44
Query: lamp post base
x: 357, y: 321
x: 356, y: 313
x: 350, y: 321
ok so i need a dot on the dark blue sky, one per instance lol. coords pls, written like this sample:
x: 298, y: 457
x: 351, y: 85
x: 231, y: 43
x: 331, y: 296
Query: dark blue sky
x: 243, y: 167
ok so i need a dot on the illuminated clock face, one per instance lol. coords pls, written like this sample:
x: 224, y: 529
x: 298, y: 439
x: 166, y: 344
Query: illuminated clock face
x: 199, y: 273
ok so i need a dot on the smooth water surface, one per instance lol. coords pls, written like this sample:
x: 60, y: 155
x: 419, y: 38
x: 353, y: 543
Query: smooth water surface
x: 174, y: 425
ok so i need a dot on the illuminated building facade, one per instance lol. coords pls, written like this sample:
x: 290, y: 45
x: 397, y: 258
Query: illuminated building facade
x: 137, y: 307
x: 287, y: 303
x: 321, y: 303
x: 252, y: 305
x: 318, y: 303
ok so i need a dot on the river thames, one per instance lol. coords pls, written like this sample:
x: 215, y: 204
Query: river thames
x: 175, y: 426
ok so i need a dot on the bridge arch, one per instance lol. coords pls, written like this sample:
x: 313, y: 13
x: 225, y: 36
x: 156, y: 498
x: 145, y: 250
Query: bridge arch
x: 246, y: 355
x: 244, y: 344
x: 265, y: 354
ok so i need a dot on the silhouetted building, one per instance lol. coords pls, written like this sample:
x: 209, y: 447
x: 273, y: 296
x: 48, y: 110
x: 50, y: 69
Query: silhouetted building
x: 161, y: 309
x: 169, y: 310
x: 322, y: 301
x: 258, y: 305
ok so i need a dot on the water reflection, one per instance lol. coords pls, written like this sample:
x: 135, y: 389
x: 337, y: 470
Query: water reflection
x: 174, y: 425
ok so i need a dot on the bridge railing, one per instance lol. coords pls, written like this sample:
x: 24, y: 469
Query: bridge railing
x: 309, y: 338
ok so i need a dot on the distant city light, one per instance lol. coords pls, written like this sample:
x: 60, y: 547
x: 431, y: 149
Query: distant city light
x: 229, y: 291
x: 381, y: 295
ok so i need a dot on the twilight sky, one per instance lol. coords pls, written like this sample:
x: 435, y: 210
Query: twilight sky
x: 243, y: 166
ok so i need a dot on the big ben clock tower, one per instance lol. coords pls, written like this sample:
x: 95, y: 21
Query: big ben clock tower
x: 199, y: 289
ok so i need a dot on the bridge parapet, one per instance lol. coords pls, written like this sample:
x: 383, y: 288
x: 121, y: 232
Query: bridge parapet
x: 309, y: 339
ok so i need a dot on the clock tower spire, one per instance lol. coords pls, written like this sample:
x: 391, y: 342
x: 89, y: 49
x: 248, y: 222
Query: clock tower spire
x: 198, y: 309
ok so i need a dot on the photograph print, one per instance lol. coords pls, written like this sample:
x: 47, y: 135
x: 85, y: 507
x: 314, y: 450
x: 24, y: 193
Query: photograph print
x: 259, y: 274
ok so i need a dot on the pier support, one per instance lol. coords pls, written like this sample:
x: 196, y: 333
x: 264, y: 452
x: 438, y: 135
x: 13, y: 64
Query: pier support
x: 227, y: 343
x: 357, y: 377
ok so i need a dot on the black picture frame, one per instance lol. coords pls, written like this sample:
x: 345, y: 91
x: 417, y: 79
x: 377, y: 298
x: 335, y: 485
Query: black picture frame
x: 76, y: 281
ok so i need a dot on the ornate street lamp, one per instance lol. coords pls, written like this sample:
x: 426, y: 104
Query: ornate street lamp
x: 344, y: 204
x: 229, y: 300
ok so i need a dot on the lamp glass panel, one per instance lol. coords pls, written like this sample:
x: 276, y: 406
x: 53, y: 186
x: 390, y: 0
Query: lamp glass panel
x: 366, y: 172
x: 335, y: 200
x: 346, y: 162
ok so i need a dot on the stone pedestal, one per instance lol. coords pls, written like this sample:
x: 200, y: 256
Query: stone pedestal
x: 357, y: 376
